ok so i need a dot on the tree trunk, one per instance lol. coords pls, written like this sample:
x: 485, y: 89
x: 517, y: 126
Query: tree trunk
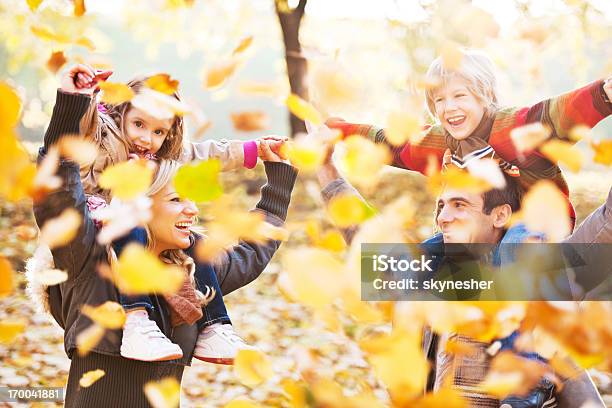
x: 296, y: 63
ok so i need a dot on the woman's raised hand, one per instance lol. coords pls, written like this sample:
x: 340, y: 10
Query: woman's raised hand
x: 270, y: 150
x: 83, y: 79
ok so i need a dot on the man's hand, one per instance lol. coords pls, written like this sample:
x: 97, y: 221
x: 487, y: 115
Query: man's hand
x: 275, y: 143
x: 266, y: 153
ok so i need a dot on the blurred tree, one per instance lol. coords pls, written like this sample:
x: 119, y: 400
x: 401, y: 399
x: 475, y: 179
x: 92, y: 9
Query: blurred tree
x: 290, y: 20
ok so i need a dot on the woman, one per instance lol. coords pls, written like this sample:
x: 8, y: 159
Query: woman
x: 124, y: 380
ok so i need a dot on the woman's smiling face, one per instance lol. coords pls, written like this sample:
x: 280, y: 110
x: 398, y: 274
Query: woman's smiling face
x: 172, y: 218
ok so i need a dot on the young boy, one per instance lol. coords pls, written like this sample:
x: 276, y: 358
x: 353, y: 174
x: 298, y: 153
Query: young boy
x: 471, y: 125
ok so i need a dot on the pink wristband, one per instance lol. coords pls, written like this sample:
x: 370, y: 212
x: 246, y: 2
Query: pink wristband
x: 250, y: 154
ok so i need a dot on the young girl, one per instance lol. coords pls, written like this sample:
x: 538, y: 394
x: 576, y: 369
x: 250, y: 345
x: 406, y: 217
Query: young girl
x: 471, y: 125
x: 122, y: 131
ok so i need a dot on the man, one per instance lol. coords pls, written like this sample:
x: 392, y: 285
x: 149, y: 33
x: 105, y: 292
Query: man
x: 465, y: 217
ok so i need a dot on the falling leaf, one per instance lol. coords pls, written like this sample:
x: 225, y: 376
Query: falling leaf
x: 46, y: 179
x: 545, y: 210
x: 162, y: 83
x: 347, y: 210
x: 33, y: 4
x: 563, y: 152
x: 477, y: 24
x: 501, y: 384
x: 245, y: 43
x: 138, y: 271
x: 580, y: 132
x: 56, y: 61
x: 297, y: 393
x: 305, y: 153
x: 159, y: 105
x: 79, y: 7
x: 363, y: 159
x: 451, y: 56
x: 252, y: 367
x: 303, y: 109
x: 333, y: 87
x: 120, y: 217
x: 261, y: 89
x: 163, y: 394
x: 529, y: 137
x: 242, y: 403
x: 10, y: 329
x: 402, y: 127
x: 109, y: 315
x: 603, y: 152
x: 127, y: 180
x: 250, y: 121
x: 10, y: 106
x: 91, y: 377
x: 446, y: 397
x: 456, y: 178
x: 62, y: 229
x: 85, y: 42
x: 88, y: 339
x: 47, y: 34
x: 219, y: 73
x: 50, y: 277
x: 487, y: 170
x: 115, y: 93
x: 7, y: 280
x: 199, y: 182
x: 77, y: 149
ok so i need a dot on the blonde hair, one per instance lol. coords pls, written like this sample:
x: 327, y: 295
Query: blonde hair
x: 476, y: 68
x: 95, y: 124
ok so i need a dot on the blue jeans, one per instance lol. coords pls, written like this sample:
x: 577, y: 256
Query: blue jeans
x: 214, y: 312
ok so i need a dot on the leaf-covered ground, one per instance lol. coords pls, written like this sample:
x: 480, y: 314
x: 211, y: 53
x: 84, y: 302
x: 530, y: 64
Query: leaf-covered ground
x: 285, y: 331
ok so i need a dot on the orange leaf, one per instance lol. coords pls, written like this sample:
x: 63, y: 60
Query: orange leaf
x: 56, y: 61
x: 250, y: 121
x: 6, y: 277
x: 162, y: 83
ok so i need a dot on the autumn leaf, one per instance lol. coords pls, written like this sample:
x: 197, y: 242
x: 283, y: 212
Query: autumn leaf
x: 242, y: 403
x: 79, y: 7
x: 456, y: 178
x: 580, y: 132
x: 363, y: 159
x: 88, y: 339
x: 270, y: 89
x: 219, y: 73
x: 127, y: 180
x: 62, y: 229
x: 163, y: 394
x: 159, y: 105
x: 199, y: 182
x: 333, y: 87
x: 10, y: 329
x: 7, y: 280
x: 305, y: 153
x: 603, y: 152
x: 252, y: 367
x: 56, y: 61
x: 91, y: 377
x: 46, y: 179
x: 563, y: 152
x: 477, y: 24
x: 244, y: 44
x: 250, y: 121
x: 529, y: 137
x: 33, y: 4
x: 162, y: 83
x: 451, y: 56
x: 78, y: 149
x: 47, y: 34
x: 545, y: 209
x: 303, y: 109
x: 487, y: 170
x: 347, y: 210
x: 10, y: 107
x: 115, y: 93
x: 138, y: 271
x: 403, y: 127
x: 109, y: 315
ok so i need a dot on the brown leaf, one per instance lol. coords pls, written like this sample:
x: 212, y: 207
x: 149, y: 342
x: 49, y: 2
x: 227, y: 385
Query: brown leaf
x: 250, y: 121
x: 56, y: 61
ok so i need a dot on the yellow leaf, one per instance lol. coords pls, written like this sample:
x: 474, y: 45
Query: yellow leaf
x: 89, y: 338
x: 159, y: 105
x: 33, y: 4
x: 529, y: 137
x: 451, y: 56
x: 115, y: 93
x: 7, y: 280
x: 545, y: 210
x: 85, y: 42
x: 199, y: 182
x: 46, y: 179
x: 580, y: 132
x: 332, y: 240
x: 163, y: 394
x: 241, y: 403
x: 563, y: 152
x: 250, y: 121
x: 456, y: 178
x: 487, y: 170
x: 47, y: 34
x: 501, y: 384
x: 446, y: 397
x: 303, y: 109
x: 79, y: 7
x: 218, y: 74
x: 10, y: 107
x: 305, y: 152
x: 252, y: 367
x: 127, y: 180
x: 296, y: 392
x: 10, y: 329
x: 347, y: 210
x: 78, y: 149
x: 91, y: 377
x: 363, y: 160
x: 603, y: 152
x: 402, y: 127
x: 62, y: 229
x: 162, y: 83
x: 333, y: 87
x: 261, y: 89
x: 477, y: 24
x: 245, y: 43
x: 109, y: 315
x: 138, y: 271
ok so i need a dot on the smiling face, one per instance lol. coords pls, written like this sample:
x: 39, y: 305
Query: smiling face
x: 172, y: 218
x: 146, y: 132
x: 461, y: 218
x: 458, y: 110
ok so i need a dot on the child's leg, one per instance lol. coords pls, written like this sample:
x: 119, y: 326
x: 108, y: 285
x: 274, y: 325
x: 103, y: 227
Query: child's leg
x: 215, y: 311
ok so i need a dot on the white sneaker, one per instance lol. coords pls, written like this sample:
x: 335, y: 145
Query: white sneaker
x: 142, y: 340
x: 219, y: 344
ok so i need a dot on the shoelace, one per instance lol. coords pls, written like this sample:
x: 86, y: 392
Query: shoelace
x: 231, y: 335
x: 151, y: 329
